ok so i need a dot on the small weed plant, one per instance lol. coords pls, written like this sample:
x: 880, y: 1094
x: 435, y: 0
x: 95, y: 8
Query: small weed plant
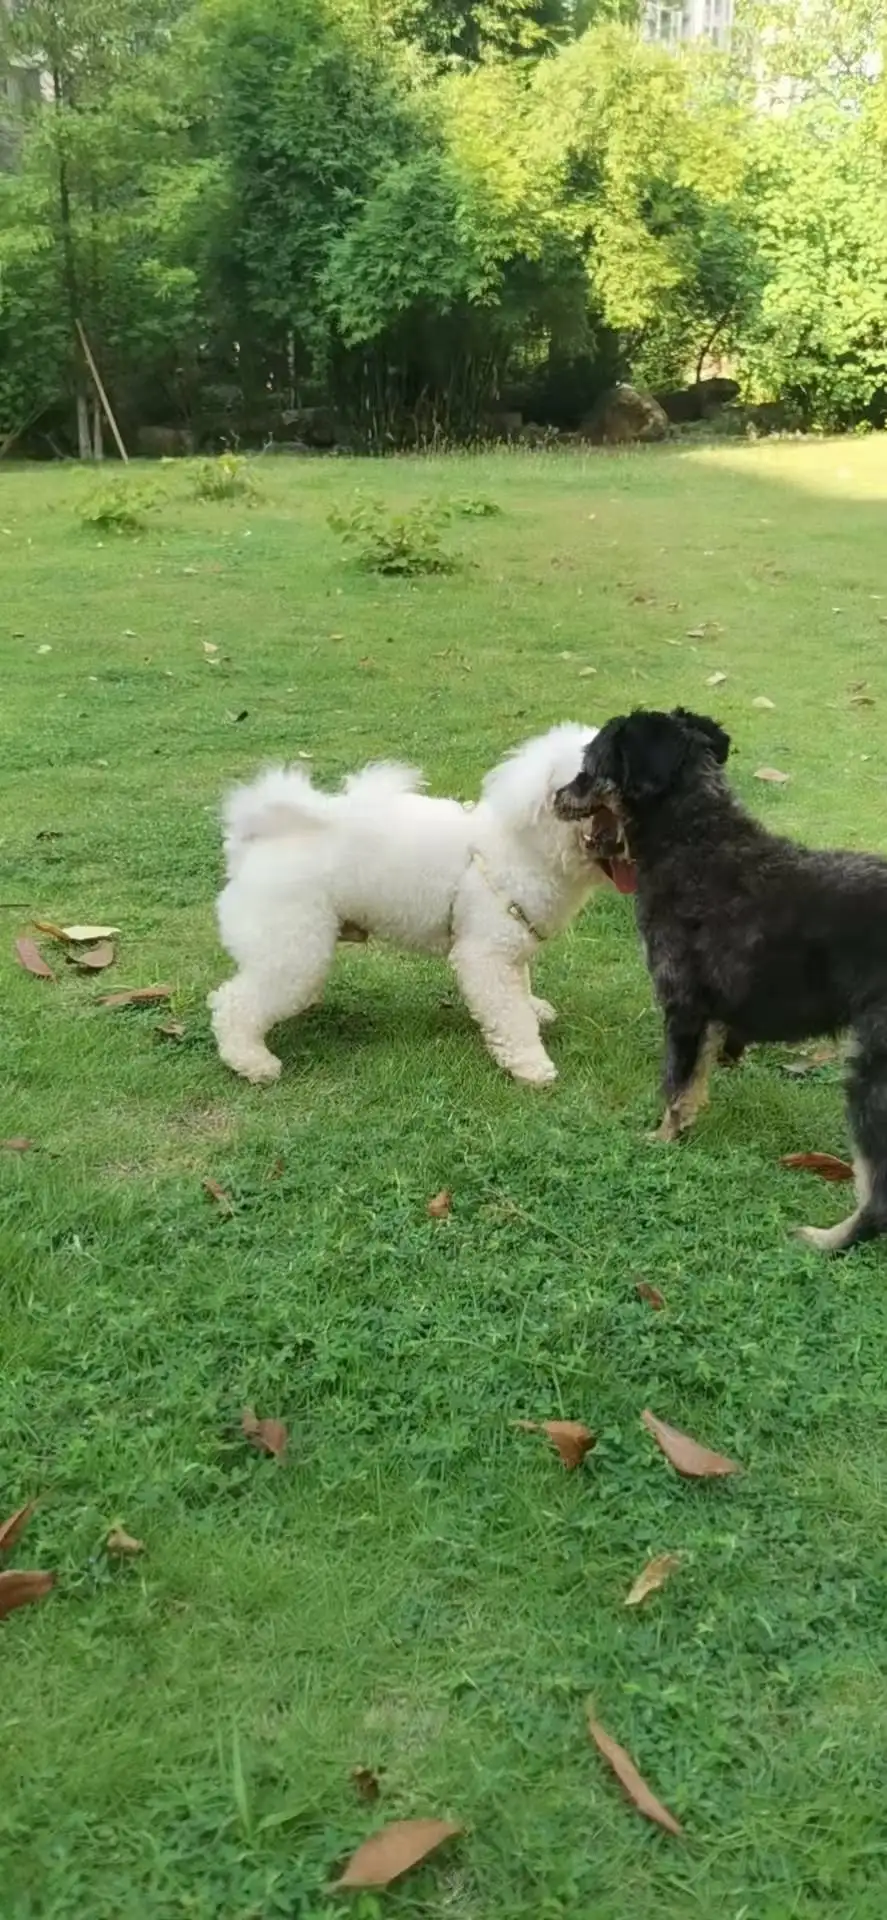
x: 474, y: 506
x: 407, y: 543
x: 228, y: 476
x: 120, y: 506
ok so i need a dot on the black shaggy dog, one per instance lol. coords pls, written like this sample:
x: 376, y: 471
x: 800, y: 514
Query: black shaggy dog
x: 748, y: 937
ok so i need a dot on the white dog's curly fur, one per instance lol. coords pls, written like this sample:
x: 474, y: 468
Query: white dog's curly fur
x: 483, y: 885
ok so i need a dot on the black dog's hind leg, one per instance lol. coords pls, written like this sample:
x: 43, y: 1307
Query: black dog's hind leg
x: 731, y: 1050
x: 867, y: 1114
x: 690, y: 1050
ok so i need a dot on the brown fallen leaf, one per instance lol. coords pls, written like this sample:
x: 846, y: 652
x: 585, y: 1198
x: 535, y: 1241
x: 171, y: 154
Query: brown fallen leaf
x: 572, y: 1440
x: 277, y: 1169
x: 862, y: 700
x: 393, y: 1850
x: 30, y: 957
x: 17, y: 1589
x: 824, y: 1056
x: 366, y: 1782
x: 18, y: 1144
x: 135, y: 997
x: 772, y: 774
x: 170, y: 1029
x: 11, y: 1529
x: 652, y: 1295
x: 48, y: 927
x: 269, y: 1436
x: 94, y: 959
x: 827, y: 1165
x: 686, y: 1455
x: 439, y: 1207
x: 214, y: 1192
x: 654, y: 1575
x: 627, y: 1774
x: 119, y: 1541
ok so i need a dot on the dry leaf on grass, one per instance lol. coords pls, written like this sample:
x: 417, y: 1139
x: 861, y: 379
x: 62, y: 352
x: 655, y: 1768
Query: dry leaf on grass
x: 827, y: 1165
x: 652, y: 1295
x: 11, y: 1529
x: 170, y: 1030
x: 824, y: 1056
x: 119, y: 1541
x: 49, y: 927
x: 654, y: 1575
x: 135, y: 997
x: 94, y: 959
x: 81, y: 936
x: 763, y: 704
x: 772, y: 774
x: 627, y: 1774
x: 439, y: 1207
x: 686, y: 1455
x: 17, y: 1589
x: 269, y: 1436
x: 30, y: 957
x: 716, y: 679
x: 572, y: 1440
x: 366, y: 1782
x: 18, y: 1144
x: 214, y: 1192
x: 393, y: 1850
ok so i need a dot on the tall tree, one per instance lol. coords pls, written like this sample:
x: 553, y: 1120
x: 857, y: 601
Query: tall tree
x: 76, y: 215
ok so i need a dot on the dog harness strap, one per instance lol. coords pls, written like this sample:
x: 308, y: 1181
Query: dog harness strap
x: 511, y: 906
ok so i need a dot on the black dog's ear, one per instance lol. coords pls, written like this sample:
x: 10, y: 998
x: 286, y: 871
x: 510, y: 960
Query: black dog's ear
x: 706, y: 730
x: 650, y: 749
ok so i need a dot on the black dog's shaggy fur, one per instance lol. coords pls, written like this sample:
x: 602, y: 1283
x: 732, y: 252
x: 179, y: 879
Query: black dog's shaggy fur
x: 748, y: 937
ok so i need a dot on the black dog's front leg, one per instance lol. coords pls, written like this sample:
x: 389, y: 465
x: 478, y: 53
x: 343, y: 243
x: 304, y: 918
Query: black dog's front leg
x: 690, y: 1047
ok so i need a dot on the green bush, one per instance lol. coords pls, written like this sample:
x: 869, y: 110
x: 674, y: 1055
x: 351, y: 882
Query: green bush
x: 474, y: 506
x: 229, y: 476
x: 396, y: 543
x: 120, y: 506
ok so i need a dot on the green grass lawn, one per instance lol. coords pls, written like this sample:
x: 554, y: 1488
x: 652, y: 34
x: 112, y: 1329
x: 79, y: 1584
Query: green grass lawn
x: 420, y: 1589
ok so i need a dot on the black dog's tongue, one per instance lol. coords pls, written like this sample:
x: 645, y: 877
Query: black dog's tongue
x: 623, y: 874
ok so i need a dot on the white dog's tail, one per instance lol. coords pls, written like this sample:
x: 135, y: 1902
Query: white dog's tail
x: 283, y: 801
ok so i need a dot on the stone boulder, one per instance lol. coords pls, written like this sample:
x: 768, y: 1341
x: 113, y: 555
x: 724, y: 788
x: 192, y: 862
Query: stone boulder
x: 315, y: 426
x: 164, y: 443
x: 624, y: 416
x: 700, y: 401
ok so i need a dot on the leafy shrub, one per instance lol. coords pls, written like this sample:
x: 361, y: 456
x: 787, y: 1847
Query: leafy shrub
x: 229, y: 476
x: 120, y: 506
x: 474, y: 507
x: 396, y: 543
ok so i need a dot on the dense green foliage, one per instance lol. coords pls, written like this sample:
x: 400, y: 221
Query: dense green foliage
x: 418, y: 213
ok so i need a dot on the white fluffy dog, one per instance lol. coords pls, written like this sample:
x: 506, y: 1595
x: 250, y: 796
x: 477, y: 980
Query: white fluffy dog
x: 483, y: 884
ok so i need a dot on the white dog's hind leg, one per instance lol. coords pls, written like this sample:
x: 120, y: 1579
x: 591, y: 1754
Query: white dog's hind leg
x: 543, y: 1009
x: 496, y: 993
x: 262, y: 993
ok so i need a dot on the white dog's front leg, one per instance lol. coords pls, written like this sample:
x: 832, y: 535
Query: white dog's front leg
x: 496, y: 992
x: 543, y: 1009
x: 239, y: 1029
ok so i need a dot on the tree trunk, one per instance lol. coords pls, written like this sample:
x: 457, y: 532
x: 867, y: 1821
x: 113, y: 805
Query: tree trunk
x: 98, y: 446
x: 84, y: 439
x: 69, y: 268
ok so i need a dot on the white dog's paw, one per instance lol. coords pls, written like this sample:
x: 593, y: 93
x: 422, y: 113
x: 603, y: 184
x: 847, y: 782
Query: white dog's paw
x: 260, y: 1069
x: 544, y: 1011
x: 263, y: 1073
x: 539, y: 1074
